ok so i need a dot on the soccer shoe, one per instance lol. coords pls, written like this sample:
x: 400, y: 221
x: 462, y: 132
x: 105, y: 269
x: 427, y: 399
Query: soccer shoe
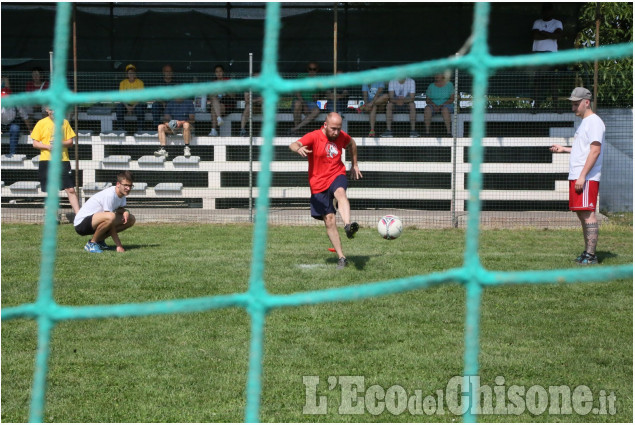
x: 186, y: 152
x: 580, y: 257
x: 219, y: 120
x: 102, y: 245
x: 588, y: 259
x: 93, y: 247
x: 414, y: 134
x: 341, y: 263
x: 243, y: 133
x: 161, y: 152
x: 213, y: 133
x: 387, y: 133
x: 371, y: 133
x: 351, y: 229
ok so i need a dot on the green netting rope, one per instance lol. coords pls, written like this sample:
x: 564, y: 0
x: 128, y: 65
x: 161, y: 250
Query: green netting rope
x: 256, y: 300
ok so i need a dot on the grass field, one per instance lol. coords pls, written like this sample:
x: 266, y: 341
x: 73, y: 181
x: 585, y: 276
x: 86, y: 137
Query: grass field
x: 192, y: 367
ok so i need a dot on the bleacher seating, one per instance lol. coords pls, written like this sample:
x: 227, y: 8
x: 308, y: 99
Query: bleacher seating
x: 398, y: 172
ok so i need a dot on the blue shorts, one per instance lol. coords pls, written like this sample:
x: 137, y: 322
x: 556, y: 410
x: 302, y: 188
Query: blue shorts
x: 449, y: 107
x: 322, y: 203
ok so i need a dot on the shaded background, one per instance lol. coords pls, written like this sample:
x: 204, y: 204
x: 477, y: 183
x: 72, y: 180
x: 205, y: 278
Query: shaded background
x: 196, y: 36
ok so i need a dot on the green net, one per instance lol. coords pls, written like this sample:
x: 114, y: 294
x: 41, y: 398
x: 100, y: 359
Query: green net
x: 256, y: 300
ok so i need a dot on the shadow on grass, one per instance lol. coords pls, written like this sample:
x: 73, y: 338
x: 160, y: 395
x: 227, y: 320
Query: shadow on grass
x: 357, y: 261
x: 132, y: 247
x: 602, y: 255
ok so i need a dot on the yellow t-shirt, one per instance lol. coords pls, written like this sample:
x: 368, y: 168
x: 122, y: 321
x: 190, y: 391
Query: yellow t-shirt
x: 43, y: 133
x: 137, y: 84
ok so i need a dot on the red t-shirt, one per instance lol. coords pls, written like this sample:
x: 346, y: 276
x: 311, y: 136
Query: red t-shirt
x: 30, y: 86
x: 325, y: 162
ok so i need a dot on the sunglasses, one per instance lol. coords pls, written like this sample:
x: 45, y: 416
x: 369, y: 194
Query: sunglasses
x: 127, y: 186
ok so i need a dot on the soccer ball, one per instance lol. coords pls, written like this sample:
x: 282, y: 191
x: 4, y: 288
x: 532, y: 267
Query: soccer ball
x: 390, y: 227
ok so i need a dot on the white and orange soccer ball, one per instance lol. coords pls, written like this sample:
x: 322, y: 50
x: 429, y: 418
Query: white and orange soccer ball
x: 390, y: 227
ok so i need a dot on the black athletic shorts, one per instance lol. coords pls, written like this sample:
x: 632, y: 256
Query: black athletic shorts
x: 68, y: 180
x: 85, y: 228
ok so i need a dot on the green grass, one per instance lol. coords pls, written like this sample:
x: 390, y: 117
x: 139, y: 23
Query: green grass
x: 192, y: 367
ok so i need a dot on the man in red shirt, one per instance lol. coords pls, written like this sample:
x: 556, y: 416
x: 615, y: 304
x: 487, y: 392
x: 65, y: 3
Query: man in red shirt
x: 327, y: 177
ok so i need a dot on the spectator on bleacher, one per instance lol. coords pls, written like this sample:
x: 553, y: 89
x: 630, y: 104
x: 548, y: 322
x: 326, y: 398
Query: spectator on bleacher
x: 43, y: 140
x: 256, y: 109
x: 10, y: 122
x: 439, y: 98
x: 133, y: 108
x: 104, y: 215
x: 374, y: 97
x: 178, y: 117
x: 305, y: 102
x: 401, y: 95
x: 327, y: 178
x: 158, y: 106
x: 585, y: 170
x: 339, y: 98
x: 37, y: 83
x: 222, y: 103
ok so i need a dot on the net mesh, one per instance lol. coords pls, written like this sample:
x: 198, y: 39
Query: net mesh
x: 478, y: 63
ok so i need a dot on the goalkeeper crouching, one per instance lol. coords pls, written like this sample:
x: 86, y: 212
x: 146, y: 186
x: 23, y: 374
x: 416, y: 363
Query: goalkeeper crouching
x: 104, y: 215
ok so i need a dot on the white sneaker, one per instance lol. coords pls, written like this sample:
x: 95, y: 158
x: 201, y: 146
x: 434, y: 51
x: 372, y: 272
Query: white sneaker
x: 219, y: 120
x: 186, y: 152
x: 213, y: 133
x: 161, y: 152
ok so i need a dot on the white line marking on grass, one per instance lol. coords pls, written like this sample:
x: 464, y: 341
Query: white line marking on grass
x: 312, y: 266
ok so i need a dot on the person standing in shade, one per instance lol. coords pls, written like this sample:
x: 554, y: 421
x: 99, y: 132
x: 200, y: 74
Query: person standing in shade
x: 327, y: 177
x: 545, y: 32
x: 43, y: 140
x: 585, y: 169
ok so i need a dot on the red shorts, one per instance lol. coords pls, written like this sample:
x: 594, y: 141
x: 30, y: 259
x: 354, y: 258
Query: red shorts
x: 587, y: 200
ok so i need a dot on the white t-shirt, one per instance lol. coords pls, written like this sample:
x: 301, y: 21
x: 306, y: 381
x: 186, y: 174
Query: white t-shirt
x: 402, y: 90
x: 590, y: 130
x: 548, y: 45
x: 106, y: 200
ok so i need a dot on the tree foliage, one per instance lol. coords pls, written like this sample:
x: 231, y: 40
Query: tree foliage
x: 615, y: 77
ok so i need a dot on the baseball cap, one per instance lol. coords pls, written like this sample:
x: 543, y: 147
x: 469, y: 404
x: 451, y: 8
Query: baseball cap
x: 130, y: 66
x: 580, y: 93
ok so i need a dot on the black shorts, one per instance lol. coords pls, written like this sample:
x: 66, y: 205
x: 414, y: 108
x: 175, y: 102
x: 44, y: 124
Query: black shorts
x: 68, y: 180
x: 85, y: 228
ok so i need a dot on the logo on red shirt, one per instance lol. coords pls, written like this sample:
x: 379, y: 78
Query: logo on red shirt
x: 331, y: 150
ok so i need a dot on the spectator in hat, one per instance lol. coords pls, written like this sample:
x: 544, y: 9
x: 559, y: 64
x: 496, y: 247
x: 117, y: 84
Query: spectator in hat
x: 132, y: 108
